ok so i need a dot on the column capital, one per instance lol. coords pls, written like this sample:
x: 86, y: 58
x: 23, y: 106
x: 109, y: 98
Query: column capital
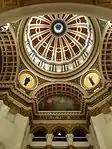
x: 69, y: 135
x: 49, y: 138
x: 49, y: 135
x: 70, y: 139
x: 30, y: 137
x: 89, y: 138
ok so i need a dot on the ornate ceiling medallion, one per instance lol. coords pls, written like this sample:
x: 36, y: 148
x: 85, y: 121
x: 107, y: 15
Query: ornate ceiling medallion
x: 27, y: 80
x: 90, y: 79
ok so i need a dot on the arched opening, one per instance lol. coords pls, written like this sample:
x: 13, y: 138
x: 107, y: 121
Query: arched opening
x: 59, y: 97
x: 39, y: 135
x: 59, y: 135
x: 79, y: 135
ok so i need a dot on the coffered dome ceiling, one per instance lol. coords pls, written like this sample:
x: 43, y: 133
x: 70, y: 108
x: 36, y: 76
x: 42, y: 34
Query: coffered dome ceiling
x: 55, y: 43
x: 59, y: 42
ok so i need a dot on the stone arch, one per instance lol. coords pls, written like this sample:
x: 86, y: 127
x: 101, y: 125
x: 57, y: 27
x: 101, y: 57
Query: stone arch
x: 52, y: 90
x: 59, y: 128
x: 106, y: 54
x: 8, y: 54
x: 39, y: 128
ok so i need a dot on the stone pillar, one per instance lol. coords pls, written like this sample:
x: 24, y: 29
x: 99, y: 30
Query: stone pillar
x: 90, y: 140
x: 49, y: 138
x: 6, y: 126
x: 21, y: 132
x: 13, y: 128
x: 93, y: 138
x: 30, y: 138
x: 70, y: 141
x: 100, y: 132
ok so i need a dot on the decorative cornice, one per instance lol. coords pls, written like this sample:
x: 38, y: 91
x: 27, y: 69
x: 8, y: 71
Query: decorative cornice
x: 10, y: 102
x: 69, y: 128
x: 100, y: 101
x: 26, y: 105
x: 59, y: 116
x: 98, y: 96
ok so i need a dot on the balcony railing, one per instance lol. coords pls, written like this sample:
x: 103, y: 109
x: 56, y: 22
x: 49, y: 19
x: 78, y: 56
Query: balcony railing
x: 75, y: 139
x: 39, y: 139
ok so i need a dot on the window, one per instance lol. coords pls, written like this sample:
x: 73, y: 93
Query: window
x: 39, y: 135
x: 59, y: 135
x: 79, y: 135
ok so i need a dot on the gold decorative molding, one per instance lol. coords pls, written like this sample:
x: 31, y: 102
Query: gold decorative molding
x: 69, y: 128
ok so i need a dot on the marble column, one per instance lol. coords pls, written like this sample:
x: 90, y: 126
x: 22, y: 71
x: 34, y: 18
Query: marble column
x: 101, y: 125
x: 97, y: 129
x: 13, y: 128
x: 90, y: 140
x: 70, y: 141
x: 49, y: 138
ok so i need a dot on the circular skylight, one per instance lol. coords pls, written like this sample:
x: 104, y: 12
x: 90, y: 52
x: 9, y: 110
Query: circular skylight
x: 58, y: 42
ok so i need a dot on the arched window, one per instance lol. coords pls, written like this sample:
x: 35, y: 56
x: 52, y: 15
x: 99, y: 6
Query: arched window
x: 79, y: 135
x: 59, y: 135
x: 39, y: 135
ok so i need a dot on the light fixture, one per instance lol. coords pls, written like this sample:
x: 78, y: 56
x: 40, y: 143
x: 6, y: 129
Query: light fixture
x: 59, y: 134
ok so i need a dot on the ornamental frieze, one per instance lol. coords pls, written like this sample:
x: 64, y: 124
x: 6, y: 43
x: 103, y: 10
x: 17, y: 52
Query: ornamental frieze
x: 59, y: 115
x: 52, y: 127
x: 98, y: 96
x: 14, y: 98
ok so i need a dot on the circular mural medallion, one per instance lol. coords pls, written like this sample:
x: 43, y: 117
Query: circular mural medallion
x: 27, y: 80
x: 58, y: 42
x: 91, y: 79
